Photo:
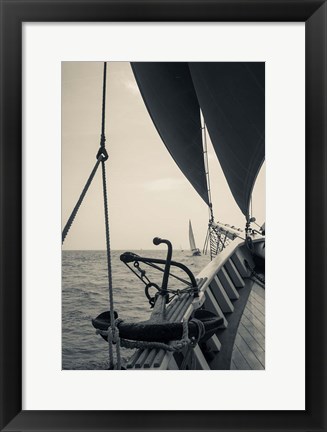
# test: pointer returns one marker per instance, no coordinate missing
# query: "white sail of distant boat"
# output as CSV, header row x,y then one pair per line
x,y
194,249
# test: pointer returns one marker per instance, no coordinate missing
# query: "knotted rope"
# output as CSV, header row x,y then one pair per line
x,y
113,337
102,157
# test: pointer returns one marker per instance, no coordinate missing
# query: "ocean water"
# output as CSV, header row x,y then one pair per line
x,y
85,295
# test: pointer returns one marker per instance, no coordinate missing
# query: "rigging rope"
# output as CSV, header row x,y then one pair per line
x,y
115,331
113,339
215,241
102,156
80,200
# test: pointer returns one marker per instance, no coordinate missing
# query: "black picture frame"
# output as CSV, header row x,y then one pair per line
x,y
13,14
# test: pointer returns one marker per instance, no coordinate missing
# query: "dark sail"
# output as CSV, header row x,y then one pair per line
x,y
169,95
232,100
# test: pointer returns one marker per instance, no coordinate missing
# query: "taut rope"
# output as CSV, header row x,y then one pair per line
x,y
113,337
80,200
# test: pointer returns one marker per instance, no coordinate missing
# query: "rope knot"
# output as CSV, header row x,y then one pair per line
x,y
179,345
113,335
185,339
201,332
102,153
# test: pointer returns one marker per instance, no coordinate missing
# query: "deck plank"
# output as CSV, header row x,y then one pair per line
x,y
253,325
253,311
253,343
249,346
247,353
258,298
249,315
256,304
258,290
239,360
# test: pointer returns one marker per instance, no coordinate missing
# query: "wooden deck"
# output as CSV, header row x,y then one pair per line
x,y
249,348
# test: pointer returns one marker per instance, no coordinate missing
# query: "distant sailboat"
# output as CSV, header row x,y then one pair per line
x,y
194,249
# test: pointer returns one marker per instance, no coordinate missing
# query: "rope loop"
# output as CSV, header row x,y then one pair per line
x,y
185,341
103,154
201,332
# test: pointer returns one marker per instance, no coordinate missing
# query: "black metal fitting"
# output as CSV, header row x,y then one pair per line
x,y
157,241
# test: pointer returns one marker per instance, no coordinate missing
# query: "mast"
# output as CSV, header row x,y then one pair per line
x,y
213,238
206,164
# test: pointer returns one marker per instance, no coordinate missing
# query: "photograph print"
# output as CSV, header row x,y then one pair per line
x,y
163,215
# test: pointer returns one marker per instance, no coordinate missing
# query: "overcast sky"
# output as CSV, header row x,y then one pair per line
x,y
148,194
